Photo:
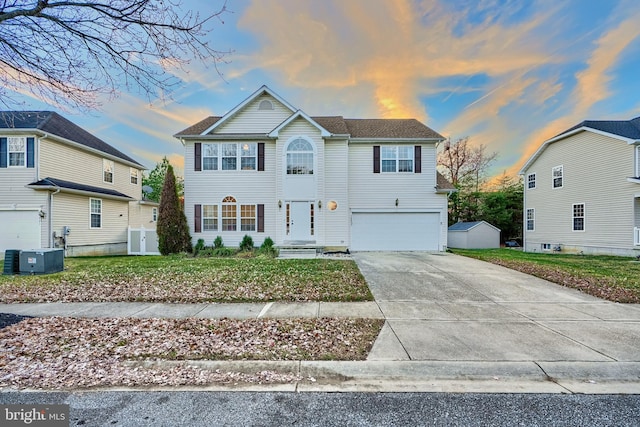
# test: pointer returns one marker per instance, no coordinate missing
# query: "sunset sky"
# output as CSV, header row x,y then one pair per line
x,y
508,74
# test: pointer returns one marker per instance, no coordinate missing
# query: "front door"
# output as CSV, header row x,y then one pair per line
x,y
300,221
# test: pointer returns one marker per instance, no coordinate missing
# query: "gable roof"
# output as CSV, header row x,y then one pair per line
x,y
624,130
466,226
49,122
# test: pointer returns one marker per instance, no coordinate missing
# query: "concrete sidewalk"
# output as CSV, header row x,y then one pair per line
x,y
453,324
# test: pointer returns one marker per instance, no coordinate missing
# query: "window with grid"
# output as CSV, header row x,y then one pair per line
x,y
17,150
107,170
210,157
229,157
578,217
229,209
531,181
396,158
248,217
210,217
95,207
557,175
248,156
133,173
300,157
531,216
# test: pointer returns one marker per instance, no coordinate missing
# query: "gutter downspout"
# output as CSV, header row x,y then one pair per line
x,y
51,242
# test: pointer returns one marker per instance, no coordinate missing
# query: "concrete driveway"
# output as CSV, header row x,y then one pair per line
x,y
444,307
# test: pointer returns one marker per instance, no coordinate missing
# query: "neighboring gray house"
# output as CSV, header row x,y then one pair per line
x,y
582,190
60,186
267,169
473,235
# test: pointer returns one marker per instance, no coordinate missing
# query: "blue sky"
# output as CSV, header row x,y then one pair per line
x,y
509,74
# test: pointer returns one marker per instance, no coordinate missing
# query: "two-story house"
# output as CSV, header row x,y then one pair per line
x,y
61,186
582,192
267,169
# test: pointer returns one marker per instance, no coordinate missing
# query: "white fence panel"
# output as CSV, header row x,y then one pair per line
x,y
142,242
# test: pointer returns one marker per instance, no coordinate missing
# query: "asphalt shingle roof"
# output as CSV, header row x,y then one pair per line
x,y
357,128
46,182
443,183
53,123
463,226
625,128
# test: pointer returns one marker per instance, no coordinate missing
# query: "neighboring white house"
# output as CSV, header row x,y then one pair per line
x,y
267,169
473,235
61,186
582,190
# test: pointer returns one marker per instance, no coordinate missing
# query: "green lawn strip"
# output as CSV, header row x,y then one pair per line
x,y
609,277
183,279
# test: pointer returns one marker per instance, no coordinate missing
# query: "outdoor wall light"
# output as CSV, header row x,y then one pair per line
x,y
397,202
280,204
319,204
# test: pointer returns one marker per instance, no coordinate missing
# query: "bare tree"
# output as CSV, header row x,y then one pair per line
x,y
461,163
68,51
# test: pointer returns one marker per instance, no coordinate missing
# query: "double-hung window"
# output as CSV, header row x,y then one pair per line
x,y
557,176
229,209
396,158
531,181
531,217
210,217
578,217
17,150
134,175
248,217
248,156
107,170
229,154
210,157
95,216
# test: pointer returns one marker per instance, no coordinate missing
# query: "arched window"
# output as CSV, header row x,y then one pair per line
x,y
229,221
300,157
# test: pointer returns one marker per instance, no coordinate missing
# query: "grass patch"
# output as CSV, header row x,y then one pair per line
x,y
183,279
610,277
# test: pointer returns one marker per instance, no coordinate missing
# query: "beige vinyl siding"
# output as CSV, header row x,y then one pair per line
x,y
253,120
68,163
73,211
595,171
140,215
336,178
247,187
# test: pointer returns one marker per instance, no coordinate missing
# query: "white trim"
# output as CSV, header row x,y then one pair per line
x,y
553,177
113,172
25,152
584,217
286,152
526,219
91,227
535,181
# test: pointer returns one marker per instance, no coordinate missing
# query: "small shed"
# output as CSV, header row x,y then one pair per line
x,y
473,235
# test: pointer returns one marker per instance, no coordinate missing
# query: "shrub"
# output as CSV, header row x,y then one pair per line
x,y
267,248
198,247
222,252
217,243
246,244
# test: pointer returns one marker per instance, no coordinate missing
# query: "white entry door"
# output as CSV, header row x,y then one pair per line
x,y
300,221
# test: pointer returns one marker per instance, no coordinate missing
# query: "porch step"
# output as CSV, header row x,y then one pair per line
x,y
297,253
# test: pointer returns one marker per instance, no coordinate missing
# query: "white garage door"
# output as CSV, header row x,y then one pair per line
x,y
19,230
398,231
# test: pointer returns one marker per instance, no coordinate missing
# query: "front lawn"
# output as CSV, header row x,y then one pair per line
x,y
183,279
613,278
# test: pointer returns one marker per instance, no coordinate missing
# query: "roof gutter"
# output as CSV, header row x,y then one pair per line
x,y
79,192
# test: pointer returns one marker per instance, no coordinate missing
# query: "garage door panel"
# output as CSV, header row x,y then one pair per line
x,y
19,230
378,231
